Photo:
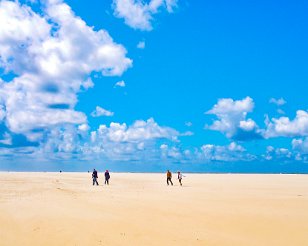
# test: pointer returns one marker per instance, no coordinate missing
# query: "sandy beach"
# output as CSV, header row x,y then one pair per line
x,y
140,209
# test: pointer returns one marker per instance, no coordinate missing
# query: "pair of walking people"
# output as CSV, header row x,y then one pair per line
x,y
95,177
169,177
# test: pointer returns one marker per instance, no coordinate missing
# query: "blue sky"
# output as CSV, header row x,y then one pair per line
x,y
145,86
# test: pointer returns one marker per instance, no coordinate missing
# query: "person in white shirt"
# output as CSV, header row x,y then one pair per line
x,y
180,176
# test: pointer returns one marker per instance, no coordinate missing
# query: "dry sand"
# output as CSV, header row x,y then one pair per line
x,y
140,209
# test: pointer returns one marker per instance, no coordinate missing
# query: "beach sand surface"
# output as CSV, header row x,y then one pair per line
x,y
140,209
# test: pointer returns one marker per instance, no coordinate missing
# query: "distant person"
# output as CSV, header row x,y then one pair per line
x,y
94,177
169,177
180,176
107,177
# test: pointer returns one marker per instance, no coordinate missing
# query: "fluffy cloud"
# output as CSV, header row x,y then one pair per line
x,y
231,152
278,154
99,111
232,120
137,132
170,152
284,127
83,127
120,84
207,153
52,55
122,142
139,15
300,145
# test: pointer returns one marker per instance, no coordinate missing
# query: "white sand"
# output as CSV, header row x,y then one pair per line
x,y
140,209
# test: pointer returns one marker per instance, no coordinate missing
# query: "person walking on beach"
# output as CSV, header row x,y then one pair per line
x,y
169,176
107,177
94,177
180,176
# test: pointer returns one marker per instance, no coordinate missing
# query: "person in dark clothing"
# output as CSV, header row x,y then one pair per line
x,y
107,177
169,176
94,177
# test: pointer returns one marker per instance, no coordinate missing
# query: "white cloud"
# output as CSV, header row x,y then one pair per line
x,y
52,55
99,111
278,102
248,125
62,143
121,142
88,83
231,152
139,131
139,15
207,153
300,145
232,120
120,84
141,45
164,147
170,152
83,127
284,127
278,154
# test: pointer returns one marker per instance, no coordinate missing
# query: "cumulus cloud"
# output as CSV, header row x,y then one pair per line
x,y
300,145
87,84
120,84
284,127
232,120
99,111
83,127
170,152
139,131
52,55
278,102
207,153
278,154
119,141
139,15
231,152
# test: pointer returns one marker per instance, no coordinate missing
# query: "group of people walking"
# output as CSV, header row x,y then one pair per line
x,y
169,177
107,177
95,177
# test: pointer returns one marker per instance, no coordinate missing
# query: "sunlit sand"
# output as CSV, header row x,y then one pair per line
x,y
140,209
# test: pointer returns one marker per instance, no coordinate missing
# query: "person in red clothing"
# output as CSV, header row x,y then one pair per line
x,y
169,177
